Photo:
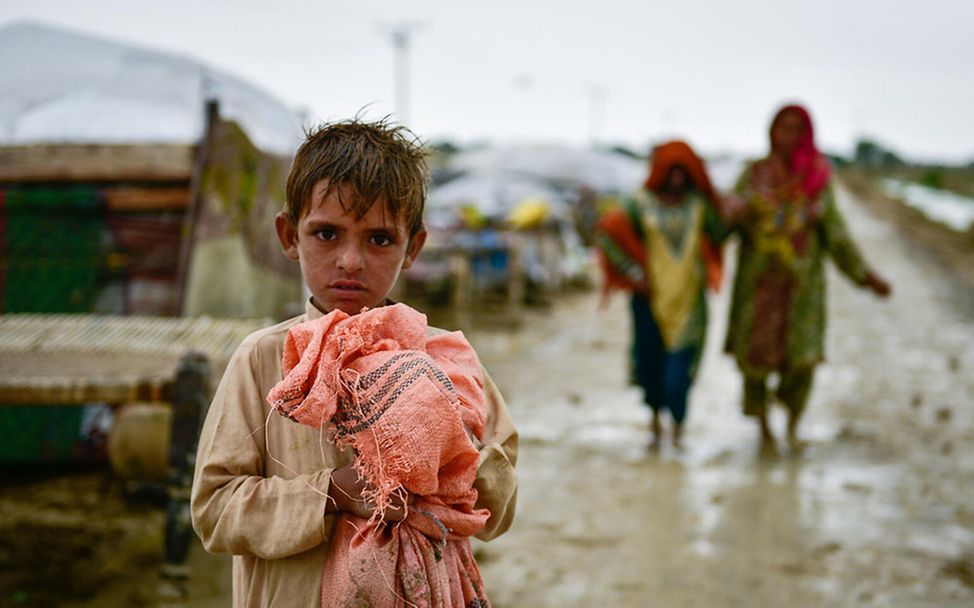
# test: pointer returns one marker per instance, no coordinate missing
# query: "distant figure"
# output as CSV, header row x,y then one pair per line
x,y
786,215
662,247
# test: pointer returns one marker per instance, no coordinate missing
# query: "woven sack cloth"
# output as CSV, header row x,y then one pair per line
x,y
412,407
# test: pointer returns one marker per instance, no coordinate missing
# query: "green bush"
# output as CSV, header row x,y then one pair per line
x,y
933,177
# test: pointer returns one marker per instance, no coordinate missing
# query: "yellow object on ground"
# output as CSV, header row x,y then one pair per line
x,y
529,213
471,217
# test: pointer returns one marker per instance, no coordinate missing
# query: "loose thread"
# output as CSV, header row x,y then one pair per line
x,y
380,496
267,448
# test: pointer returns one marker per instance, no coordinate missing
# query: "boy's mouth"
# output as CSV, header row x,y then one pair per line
x,y
345,286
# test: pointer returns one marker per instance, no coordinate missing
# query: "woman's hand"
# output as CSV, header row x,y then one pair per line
x,y
345,494
642,288
877,284
732,208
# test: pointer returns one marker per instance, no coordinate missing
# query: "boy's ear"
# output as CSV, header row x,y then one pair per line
x,y
415,246
287,233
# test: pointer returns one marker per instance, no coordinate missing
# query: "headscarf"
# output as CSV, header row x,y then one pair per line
x,y
676,152
806,161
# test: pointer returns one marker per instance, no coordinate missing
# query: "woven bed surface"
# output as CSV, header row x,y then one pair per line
x,y
81,358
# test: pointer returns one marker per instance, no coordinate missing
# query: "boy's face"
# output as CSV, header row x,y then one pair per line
x,y
348,263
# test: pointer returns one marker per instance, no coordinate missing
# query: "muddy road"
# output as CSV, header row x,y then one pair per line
x,y
877,511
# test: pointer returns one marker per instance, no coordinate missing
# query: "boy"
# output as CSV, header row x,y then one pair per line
x,y
267,489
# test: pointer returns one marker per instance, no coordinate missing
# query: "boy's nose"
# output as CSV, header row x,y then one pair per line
x,y
350,258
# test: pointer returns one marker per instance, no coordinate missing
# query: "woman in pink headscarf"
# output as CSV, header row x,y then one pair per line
x,y
788,222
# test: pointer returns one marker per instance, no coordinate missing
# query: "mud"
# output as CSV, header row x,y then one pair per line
x,y
875,511
71,535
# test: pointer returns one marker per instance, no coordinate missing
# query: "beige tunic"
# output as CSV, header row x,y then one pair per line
x,y
261,479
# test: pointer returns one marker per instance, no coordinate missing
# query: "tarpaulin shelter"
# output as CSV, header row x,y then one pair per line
x,y
493,194
497,231
133,183
561,166
137,182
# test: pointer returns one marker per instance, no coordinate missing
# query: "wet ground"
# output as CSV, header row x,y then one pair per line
x,y
877,511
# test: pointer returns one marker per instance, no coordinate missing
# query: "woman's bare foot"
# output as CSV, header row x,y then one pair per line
x,y
655,428
795,444
678,435
769,446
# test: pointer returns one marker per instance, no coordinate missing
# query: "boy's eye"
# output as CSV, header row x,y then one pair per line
x,y
325,234
381,240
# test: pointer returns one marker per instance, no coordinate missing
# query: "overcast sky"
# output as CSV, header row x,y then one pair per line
x,y
628,72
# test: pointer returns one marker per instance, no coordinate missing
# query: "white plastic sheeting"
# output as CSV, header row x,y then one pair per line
x,y
953,210
604,171
724,171
63,87
493,194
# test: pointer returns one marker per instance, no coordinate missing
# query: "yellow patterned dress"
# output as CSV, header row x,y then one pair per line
x,y
669,327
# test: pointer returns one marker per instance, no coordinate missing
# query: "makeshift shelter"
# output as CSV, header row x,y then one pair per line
x,y
132,183
497,233
563,167
572,180
137,188
137,182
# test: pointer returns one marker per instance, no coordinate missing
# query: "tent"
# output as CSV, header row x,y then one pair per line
x,y
169,171
58,86
562,166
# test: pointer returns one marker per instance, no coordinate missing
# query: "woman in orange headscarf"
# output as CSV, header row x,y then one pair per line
x,y
662,245
788,222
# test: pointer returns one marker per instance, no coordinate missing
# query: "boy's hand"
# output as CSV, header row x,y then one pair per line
x,y
345,494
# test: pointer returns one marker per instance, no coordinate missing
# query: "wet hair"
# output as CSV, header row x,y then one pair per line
x,y
375,160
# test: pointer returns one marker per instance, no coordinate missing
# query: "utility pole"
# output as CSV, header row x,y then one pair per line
x,y
597,102
400,34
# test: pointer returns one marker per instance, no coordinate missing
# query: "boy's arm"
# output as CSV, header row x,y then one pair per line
x,y
496,481
235,508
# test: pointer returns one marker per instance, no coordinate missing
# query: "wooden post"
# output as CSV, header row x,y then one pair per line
x,y
515,276
196,202
552,259
462,287
191,394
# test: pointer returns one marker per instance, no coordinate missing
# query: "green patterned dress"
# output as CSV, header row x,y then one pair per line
x,y
777,319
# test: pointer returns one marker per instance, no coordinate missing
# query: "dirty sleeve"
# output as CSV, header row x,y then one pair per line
x,y
496,481
242,503
838,240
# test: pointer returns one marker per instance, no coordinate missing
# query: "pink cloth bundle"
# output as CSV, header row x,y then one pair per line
x,y
411,406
